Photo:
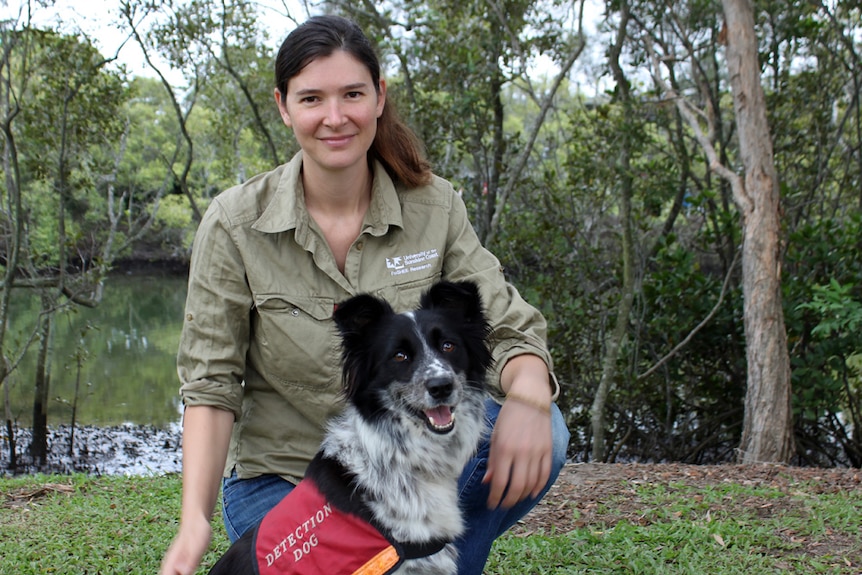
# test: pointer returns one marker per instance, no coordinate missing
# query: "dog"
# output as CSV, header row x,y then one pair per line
x,y
389,463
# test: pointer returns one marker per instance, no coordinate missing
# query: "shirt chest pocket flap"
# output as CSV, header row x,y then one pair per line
x,y
297,339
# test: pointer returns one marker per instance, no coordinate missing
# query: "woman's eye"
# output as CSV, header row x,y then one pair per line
x,y
448,347
400,356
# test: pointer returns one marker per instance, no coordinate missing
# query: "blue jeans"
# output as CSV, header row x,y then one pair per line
x,y
246,501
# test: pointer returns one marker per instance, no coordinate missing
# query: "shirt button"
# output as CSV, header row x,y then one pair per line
x,y
294,312
359,246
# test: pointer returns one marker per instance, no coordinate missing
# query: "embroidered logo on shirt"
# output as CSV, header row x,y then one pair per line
x,y
417,262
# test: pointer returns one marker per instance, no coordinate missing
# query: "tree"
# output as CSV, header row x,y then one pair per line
x,y
767,434
73,109
182,104
63,146
460,62
623,214
14,219
226,59
617,338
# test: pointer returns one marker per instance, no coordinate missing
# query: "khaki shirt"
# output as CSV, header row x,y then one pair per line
x,y
258,337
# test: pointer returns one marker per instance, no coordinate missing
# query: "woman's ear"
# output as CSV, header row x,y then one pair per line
x,y
381,97
282,107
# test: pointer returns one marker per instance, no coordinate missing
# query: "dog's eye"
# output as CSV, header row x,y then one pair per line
x,y
400,356
447,347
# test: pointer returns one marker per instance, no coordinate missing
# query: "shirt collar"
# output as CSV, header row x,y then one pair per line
x,y
287,208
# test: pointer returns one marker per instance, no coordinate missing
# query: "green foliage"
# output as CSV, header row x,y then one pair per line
x,y
461,74
823,311
840,313
690,407
68,110
176,218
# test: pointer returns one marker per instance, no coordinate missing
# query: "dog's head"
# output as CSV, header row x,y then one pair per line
x,y
421,362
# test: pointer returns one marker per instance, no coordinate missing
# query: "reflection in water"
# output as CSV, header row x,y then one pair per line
x,y
129,340
126,348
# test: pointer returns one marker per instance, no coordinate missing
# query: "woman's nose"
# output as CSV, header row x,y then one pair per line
x,y
334,115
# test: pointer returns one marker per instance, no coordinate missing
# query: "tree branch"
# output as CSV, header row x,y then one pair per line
x,y
690,112
699,326
522,158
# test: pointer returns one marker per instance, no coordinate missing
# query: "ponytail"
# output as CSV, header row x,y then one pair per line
x,y
400,150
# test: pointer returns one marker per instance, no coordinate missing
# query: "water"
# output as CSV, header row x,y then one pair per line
x,y
128,371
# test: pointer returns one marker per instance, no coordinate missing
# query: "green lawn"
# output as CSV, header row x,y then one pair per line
x,y
108,525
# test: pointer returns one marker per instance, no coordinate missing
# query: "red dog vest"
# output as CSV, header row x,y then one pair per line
x,y
305,535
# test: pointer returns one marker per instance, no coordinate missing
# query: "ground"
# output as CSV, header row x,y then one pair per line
x,y
586,495
578,498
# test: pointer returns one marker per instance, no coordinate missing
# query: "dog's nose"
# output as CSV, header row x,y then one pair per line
x,y
439,388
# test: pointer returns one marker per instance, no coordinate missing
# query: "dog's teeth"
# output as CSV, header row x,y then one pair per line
x,y
444,426
440,419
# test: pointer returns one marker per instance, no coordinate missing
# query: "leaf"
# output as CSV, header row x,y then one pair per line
x,y
719,539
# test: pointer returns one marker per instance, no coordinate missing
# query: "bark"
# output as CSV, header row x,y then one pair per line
x,y
39,439
767,434
13,206
617,338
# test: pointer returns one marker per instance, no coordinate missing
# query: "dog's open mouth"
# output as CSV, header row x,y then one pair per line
x,y
440,419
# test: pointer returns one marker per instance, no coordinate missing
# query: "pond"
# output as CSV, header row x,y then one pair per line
x,y
128,366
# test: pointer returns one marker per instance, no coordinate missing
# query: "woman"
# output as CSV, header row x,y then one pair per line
x,y
357,210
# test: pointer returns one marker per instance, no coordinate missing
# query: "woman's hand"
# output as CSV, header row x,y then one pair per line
x,y
187,549
519,463
206,436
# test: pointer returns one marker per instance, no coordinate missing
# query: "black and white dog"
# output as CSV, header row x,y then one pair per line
x,y
389,464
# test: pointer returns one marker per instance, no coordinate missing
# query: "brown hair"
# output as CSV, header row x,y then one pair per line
x,y
395,145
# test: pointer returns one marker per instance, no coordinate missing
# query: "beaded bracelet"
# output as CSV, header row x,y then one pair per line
x,y
526,400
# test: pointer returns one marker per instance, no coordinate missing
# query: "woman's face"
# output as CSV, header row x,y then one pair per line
x,y
332,107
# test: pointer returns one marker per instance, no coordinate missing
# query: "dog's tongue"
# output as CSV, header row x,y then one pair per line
x,y
439,416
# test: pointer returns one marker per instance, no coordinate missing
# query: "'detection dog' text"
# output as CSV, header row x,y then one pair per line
x,y
301,541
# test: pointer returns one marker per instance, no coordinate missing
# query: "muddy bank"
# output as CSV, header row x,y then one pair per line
x,y
119,450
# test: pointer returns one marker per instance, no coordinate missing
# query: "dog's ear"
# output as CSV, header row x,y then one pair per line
x,y
357,314
354,318
460,297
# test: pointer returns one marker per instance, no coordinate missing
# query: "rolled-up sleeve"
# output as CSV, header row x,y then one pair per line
x,y
215,335
517,327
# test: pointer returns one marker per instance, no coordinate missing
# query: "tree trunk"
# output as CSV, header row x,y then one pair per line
x,y
39,440
767,434
15,214
618,337
10,427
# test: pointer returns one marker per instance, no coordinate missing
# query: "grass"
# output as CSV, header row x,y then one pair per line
x,y
109,525
683,530
89,525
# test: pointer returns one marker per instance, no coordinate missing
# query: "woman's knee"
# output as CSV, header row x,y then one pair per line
x,y
560,437
246,501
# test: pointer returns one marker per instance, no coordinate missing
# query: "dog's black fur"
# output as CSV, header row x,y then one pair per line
x,y
393,457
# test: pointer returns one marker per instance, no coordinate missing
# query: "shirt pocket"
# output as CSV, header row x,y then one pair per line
x,y
405,296
297,340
